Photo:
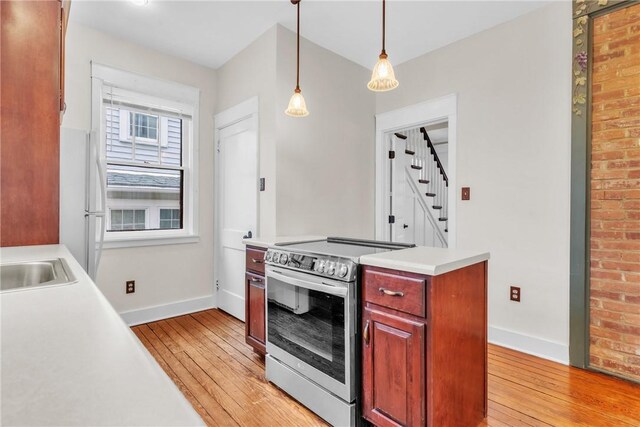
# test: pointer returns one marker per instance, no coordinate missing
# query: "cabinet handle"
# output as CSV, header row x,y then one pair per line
x,y
257,261
255,281
391,293
365,334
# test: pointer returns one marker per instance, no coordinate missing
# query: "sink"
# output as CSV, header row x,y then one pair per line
x,y
35,274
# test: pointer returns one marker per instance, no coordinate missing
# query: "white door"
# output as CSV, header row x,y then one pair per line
x,y
237,201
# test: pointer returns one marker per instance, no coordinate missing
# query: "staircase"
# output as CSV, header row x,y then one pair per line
x,y
428,174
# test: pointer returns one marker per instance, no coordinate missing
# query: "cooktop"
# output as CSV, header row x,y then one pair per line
x,y
343,247
332,257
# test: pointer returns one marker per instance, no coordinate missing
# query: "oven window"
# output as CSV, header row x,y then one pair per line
x,y
309,325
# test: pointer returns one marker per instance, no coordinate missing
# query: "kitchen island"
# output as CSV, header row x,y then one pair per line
x,y
424,337
421,325
69,359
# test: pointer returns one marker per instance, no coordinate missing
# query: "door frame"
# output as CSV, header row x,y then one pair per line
x,y
248,109
432,111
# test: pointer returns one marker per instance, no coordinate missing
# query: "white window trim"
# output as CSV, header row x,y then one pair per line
x,y
173,95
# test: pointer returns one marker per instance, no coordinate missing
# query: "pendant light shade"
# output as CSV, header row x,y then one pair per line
x,y
383,78
297,107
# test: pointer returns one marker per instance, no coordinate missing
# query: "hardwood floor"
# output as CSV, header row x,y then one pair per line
x,y
206,356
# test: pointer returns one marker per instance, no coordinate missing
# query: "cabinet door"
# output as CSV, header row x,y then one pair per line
x,y
30,131
393,371
254,316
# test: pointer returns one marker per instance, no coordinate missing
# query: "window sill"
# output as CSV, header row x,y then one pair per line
x,y
150,241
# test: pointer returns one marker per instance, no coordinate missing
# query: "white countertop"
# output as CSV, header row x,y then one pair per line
x,y
424,260
69,359
266,241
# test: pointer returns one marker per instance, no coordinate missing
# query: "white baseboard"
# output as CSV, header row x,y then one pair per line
x,y
159,312
535,346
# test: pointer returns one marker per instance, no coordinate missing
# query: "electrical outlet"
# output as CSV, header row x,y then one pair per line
x,y
130,286
514,294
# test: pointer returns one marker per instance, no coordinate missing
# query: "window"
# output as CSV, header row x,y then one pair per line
x,y
148,149
169,218
127,219
143,126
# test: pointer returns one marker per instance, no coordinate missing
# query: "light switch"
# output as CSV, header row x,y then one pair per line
x,y
466,193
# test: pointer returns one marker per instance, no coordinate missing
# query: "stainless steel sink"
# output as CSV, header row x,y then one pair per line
x,y
35,274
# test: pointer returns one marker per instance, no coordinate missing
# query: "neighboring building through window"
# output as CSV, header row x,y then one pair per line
x,y
141,171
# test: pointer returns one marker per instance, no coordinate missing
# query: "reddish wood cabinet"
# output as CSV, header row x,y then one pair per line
x,y
32,96
393,357
424,347
255,300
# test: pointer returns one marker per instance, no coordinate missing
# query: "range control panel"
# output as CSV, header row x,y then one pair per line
x,y
333,267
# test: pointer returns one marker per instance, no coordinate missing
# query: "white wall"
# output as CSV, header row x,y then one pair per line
x,y
326,160
163,274
319,169
514,91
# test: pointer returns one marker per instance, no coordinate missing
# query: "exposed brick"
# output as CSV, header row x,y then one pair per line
x,y
633,299
615,193
623,266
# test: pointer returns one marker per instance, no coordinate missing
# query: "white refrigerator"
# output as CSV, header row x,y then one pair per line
x,y
82,198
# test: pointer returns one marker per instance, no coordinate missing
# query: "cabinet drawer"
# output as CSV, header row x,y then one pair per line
x,y
255,260
400,291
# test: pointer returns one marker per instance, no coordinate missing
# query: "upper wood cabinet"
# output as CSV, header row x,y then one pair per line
x,y
32,79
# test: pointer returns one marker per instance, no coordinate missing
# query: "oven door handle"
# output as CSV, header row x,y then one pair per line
x,y
320,287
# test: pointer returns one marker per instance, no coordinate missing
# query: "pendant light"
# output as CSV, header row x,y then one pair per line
x,y
383,78
297,107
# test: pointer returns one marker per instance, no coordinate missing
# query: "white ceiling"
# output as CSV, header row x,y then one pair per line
x,y
211,32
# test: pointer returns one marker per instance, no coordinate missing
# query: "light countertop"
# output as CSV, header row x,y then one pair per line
x,y
69,359
266,241
424,260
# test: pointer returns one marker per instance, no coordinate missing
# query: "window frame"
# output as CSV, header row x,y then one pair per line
x,y
168,96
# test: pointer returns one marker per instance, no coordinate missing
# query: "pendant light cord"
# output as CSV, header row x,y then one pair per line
x,y
384,9
298,51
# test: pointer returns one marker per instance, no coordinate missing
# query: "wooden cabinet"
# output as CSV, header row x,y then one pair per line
x,y
255,310
393,358
424,347
32,80
255,299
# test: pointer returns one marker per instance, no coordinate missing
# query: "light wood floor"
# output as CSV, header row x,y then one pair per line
x,y
205,354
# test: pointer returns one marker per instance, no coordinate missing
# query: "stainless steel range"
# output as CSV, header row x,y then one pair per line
x,y
312,322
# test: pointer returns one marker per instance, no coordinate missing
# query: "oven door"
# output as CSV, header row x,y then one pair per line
x,y
311,329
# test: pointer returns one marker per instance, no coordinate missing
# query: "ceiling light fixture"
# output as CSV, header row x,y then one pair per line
x,y
297,107
383,78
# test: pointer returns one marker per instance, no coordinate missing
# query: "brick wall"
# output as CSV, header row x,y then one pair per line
x,y
615,193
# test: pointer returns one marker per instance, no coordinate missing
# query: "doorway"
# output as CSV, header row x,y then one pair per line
x,y
415,174
418,184
236,199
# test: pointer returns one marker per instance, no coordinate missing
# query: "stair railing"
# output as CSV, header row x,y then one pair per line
x,y
442,184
